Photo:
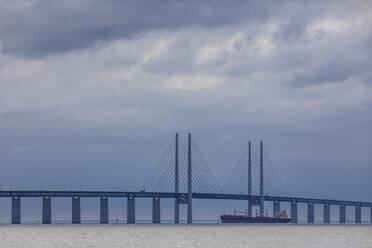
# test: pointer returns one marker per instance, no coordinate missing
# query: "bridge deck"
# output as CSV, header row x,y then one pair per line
x,y
61,193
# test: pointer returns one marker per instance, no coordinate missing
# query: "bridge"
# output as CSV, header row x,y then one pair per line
x,y
183,174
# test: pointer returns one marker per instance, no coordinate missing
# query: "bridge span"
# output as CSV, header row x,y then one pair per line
x,y
194,180
47,195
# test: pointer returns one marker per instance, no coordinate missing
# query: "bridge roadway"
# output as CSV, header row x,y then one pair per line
x,y
182,196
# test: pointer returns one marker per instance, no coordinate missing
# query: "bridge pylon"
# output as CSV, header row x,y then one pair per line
x,y
176,182
250,203
182,200
262,207
189,181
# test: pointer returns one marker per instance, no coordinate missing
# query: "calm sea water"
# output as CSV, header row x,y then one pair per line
x,y
196,235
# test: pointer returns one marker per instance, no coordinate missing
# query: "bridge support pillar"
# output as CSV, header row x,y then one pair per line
x,y
155,210
358,214
342,214
176,211
16,210
47,210
326,213
76,216
370,214
276,208
189,212
249,210
103,210
310,213
131,210
294,212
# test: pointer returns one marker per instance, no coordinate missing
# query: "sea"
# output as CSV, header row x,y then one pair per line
x,y
184,235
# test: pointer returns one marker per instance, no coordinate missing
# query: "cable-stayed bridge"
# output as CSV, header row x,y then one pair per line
x,y
183,174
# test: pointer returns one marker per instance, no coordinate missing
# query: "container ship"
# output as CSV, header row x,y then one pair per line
x,y
282,217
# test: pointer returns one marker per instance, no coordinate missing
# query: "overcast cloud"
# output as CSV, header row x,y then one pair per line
x,y
92,92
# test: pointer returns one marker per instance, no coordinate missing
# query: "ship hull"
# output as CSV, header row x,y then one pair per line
x,y
246,219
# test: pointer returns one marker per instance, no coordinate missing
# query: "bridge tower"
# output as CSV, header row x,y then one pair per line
x,y
183,199
261,181
249,179
176,183
189,181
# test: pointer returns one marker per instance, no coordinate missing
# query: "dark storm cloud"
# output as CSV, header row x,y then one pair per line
x,y
45,27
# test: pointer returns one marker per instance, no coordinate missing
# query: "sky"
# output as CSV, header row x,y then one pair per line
x,y
93,92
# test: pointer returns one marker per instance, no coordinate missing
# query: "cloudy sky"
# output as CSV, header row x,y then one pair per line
x,y
92,92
